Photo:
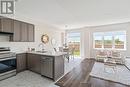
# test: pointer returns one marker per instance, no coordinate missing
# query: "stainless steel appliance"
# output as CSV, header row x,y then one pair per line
x,y
47,67
7,63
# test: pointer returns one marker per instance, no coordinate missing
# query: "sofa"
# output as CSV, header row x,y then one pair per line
x,y
114,54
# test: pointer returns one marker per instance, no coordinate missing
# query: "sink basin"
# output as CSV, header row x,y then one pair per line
x,y
41,51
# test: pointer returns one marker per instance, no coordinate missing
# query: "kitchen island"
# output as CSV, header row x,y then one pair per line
x,y
48,64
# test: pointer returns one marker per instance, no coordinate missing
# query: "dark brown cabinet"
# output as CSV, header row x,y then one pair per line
x,y
33,61
31,33
24,32
52,66
6,25
17,31
58,67
21,62
47,66
20,31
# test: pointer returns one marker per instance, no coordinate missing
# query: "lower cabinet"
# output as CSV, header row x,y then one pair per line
x,y
33,62
58,67
47,64
21,62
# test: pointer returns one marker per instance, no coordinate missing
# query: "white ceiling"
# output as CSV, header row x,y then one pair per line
x,y
75,13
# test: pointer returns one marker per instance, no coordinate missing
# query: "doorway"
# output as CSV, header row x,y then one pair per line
x,y
73,42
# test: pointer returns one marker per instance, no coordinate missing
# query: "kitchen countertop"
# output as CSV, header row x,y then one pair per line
x,y
45,53
48,53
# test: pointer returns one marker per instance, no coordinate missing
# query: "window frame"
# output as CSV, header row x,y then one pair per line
x,y
113,40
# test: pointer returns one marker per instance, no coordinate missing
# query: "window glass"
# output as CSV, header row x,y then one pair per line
x,y
119,41
110,40
74,43
98,41
107,41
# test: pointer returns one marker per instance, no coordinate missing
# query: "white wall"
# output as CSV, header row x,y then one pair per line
x,y
87,37
40,29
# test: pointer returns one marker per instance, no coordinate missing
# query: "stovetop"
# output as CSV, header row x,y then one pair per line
x,y
2,49
6,53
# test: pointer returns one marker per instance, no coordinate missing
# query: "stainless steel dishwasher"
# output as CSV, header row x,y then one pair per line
x,y
47,66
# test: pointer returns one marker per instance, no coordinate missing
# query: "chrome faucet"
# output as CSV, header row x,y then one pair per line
x,y
41,44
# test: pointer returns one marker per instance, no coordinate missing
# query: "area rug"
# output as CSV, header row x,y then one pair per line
x,y
120,75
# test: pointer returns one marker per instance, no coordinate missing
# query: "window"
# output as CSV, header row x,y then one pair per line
x,y
73,40
98,41
110,40
120,40
107,41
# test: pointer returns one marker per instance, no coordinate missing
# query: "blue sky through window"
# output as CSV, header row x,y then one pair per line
x,y
115,37
121,35
73,37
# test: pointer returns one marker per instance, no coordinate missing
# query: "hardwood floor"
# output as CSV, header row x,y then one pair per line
x,y
79,77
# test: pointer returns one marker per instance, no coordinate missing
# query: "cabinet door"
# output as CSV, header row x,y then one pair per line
x,y
0,24
58,67
21,62
30,62
17,33
47,66
34,62
7,25
30,33
37,67
24,32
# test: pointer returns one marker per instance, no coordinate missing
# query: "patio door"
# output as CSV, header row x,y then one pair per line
x,y
73,41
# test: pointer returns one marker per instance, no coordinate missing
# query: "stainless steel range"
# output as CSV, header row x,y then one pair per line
x,y
7,63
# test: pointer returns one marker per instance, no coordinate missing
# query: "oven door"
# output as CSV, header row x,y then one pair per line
x,y
7,64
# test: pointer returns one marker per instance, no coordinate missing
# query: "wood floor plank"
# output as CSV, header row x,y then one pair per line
x,y
79,77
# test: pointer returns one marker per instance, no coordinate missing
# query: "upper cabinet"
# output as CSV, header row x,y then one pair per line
x,y
31,33
20,31
24,32
6,25
17,31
